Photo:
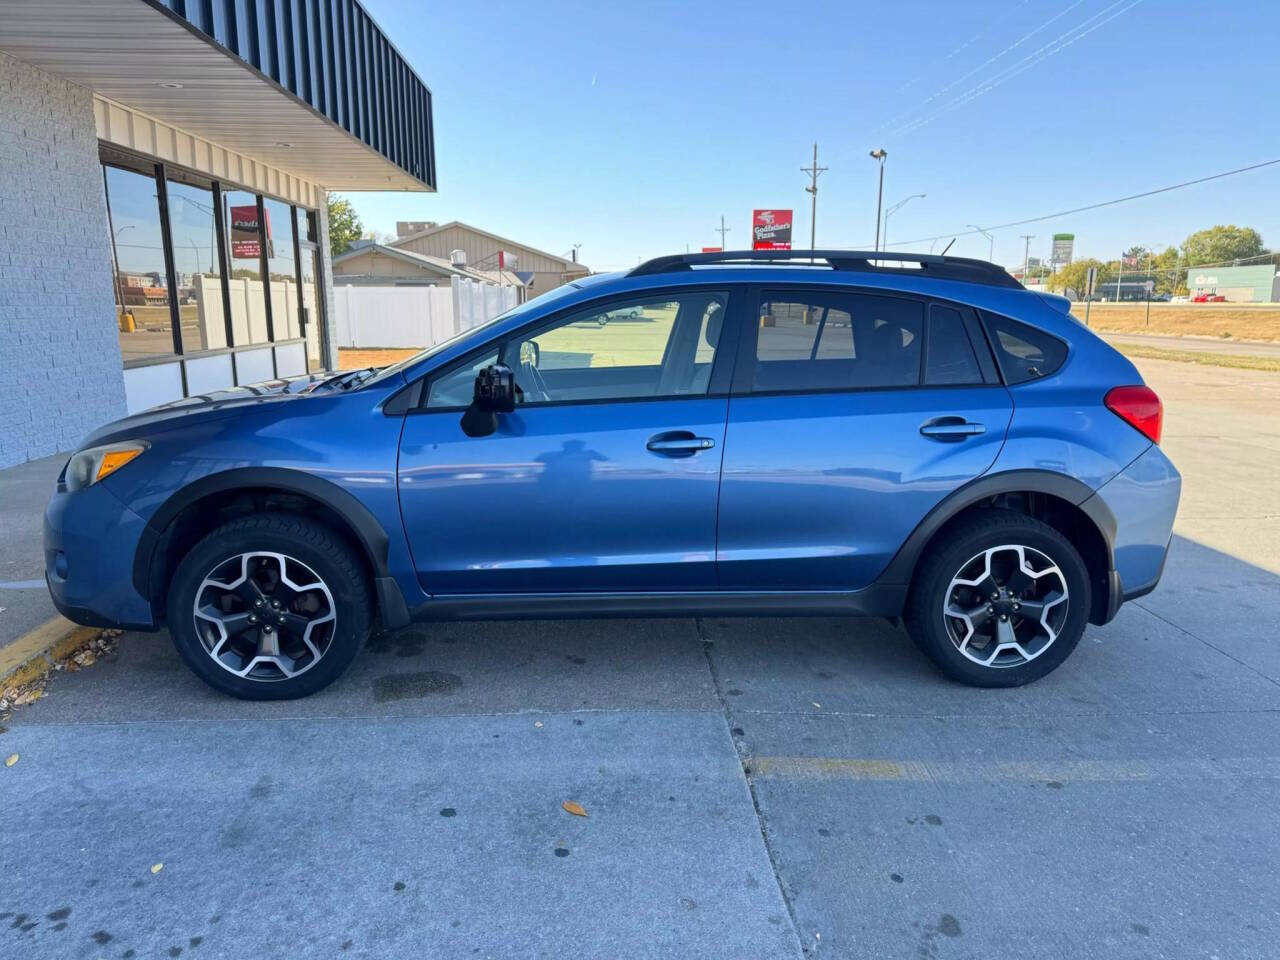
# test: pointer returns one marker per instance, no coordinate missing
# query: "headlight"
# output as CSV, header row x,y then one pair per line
x,y
89,466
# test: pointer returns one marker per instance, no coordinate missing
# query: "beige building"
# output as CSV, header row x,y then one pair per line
x,y
540,271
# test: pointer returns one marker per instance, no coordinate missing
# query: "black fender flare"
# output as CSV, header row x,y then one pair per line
x,y
902,566
370,534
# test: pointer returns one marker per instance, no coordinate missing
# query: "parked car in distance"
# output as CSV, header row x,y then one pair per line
x,y
1208,298
788,433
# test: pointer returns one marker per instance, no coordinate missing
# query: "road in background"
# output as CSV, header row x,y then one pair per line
x,y
754,788
1239,348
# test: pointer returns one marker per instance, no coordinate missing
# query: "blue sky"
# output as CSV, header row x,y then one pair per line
x,y
631,127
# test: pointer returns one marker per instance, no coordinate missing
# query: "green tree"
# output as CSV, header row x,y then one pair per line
x,y
1222,243
344,225
1073,276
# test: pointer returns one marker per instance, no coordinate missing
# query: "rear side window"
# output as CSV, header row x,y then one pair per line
x,y
836,341
949,356
1024,353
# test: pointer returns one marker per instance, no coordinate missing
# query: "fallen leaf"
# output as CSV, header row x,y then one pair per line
x,y
11,760
574,808
157,868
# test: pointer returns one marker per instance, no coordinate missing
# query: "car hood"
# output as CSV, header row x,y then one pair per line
x,y
209,404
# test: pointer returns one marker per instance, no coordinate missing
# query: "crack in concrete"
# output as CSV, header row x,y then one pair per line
x,y
761,823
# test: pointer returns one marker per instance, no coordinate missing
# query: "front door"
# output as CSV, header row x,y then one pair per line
x,y
604,478
852,415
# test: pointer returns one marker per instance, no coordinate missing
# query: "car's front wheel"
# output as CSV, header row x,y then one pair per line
x,y
269,607
1000,601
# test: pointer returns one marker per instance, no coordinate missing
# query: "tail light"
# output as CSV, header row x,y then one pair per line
x,y
1139,407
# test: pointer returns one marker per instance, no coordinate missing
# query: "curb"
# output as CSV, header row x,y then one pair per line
x,y
32,656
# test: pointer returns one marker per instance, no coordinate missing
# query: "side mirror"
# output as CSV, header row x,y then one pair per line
x,y
530,354
495,393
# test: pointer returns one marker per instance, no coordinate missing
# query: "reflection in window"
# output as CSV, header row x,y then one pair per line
x,y
141,283
282,269
248,297
196,264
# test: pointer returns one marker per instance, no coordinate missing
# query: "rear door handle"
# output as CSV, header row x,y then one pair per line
x,y
678,443
951,429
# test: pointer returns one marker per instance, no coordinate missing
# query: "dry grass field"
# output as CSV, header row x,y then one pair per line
x,y
1235,321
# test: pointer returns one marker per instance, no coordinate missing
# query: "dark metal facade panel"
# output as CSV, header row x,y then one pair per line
x,y
330,55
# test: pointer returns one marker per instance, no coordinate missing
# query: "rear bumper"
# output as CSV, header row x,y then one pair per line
x,y
1143,498
90,539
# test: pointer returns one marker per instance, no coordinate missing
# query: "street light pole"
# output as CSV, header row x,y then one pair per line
x,y
879,154
897,206
991,242
1026,257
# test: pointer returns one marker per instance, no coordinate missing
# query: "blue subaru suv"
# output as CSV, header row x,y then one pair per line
x,y
782,433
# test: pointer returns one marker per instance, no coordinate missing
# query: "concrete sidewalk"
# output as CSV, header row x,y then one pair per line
x,y
24,600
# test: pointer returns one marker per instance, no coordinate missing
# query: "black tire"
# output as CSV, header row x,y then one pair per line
x,y
302,540
951,553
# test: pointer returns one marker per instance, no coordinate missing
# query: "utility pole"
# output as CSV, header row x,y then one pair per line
x,y
1026,257
879,155
812,190
722,231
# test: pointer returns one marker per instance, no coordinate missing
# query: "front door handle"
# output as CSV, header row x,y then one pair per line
x,y
678,443
951,429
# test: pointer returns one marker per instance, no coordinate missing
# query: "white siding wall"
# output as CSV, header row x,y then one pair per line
x,y
415,317
60,368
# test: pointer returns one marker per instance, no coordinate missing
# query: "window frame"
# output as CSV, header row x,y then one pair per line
x,y
722,367
744,368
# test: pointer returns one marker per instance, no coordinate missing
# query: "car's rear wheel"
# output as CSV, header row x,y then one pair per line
x,y
269,607
1000,601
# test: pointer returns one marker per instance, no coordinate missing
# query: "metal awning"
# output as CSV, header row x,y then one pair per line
x,y
314,89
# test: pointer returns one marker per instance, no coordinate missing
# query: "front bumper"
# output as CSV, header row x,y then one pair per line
x,y
90,538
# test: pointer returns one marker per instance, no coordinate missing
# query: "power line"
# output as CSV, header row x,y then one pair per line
x,y
1093,206
982,66
968,43
1046,51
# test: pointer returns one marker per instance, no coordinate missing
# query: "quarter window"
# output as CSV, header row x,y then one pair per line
x,y
1023,352
950,356
837,341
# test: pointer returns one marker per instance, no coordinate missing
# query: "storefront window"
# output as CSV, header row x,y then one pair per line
x,y
196,264
248,296
141,281
310,270
282,269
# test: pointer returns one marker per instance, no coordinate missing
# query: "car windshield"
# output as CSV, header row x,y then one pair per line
x,y
477,332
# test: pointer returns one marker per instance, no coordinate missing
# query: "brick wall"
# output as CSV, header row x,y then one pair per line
x,y
60,368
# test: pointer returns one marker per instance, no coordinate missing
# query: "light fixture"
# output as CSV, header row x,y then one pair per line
x,y
171,84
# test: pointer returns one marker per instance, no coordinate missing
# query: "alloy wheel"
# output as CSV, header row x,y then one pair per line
x,y
264,616
1005,606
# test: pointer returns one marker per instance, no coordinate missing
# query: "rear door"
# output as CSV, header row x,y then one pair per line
x,y
853,413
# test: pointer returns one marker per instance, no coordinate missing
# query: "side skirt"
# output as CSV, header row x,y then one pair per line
x,y
877,600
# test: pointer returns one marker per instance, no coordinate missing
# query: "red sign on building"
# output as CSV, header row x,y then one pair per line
x,y
245,234
771,230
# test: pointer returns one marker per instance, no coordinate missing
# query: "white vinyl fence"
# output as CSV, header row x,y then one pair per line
x,y
415,316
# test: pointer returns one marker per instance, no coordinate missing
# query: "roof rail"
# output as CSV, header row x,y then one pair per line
x,y
861,261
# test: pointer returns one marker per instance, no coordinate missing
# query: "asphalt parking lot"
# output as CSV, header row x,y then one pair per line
x,y
753,788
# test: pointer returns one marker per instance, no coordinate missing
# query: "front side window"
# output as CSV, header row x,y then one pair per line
x,y
659,347
836,341
141,279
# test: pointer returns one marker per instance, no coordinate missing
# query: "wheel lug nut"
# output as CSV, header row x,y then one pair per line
x,y
1003,617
